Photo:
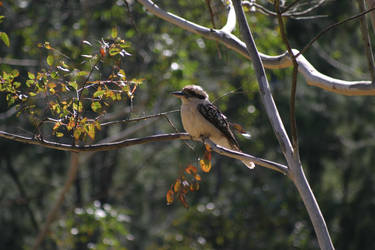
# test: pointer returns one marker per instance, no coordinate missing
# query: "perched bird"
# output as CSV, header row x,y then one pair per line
x,y
201,118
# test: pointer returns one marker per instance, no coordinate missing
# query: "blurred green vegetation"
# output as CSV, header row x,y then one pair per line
x,y
118,200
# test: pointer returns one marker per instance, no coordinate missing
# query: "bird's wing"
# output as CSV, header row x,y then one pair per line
x,y
215,117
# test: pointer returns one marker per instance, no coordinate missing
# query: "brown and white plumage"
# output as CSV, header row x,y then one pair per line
x,y
201,118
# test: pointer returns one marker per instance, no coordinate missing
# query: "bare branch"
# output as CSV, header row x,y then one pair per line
x,y
136,141
295,172
286,12
371,4
308,10
242,156
264,88
366,41
163,114
311,75
293,89
231,20
95,147
336,64
334,25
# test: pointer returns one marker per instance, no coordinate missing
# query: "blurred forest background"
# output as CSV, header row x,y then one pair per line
x,y
118,200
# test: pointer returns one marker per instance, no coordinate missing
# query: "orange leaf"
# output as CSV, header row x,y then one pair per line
x,y
57,125
191,169
206,162
198,177
71,124
170,197
103,51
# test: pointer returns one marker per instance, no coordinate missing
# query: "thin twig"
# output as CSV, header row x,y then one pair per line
x,y
291,14
366,41
293,89
308,10
371,4
328,28
163,114
71,176
208,2
289,6
335,63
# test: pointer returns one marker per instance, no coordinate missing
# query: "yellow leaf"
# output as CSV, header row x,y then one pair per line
x,y
198,177
206,162
57,125
59,134
91,132
77,133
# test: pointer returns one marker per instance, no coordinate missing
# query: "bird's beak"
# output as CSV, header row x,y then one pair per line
x,y
178,93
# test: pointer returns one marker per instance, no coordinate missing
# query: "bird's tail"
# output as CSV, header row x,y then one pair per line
x,y
249,164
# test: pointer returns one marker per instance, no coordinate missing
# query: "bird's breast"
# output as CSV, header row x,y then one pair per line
x,y
196,125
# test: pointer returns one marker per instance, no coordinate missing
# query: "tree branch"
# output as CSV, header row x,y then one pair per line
x,y
311,75
231,20
136,141
371,4
293,89
329,27
242,156
95,147
163,114
366,41
295,172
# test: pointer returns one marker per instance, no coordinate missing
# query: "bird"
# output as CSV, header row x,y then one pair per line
x,y
200,118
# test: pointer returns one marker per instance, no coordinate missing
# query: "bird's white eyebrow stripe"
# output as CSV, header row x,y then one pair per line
x,y
193,93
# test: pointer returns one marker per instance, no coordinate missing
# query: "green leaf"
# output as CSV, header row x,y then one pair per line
x,y
29,83
59,134
114,51
5,38
73,84
114,32
16,84
99,93
15,73
50,60
83,73
31,75
96,106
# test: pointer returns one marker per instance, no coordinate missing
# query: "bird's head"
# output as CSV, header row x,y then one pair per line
x,y
191,92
